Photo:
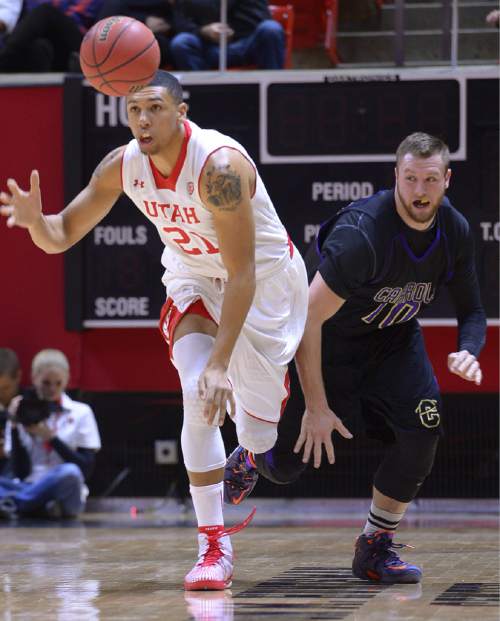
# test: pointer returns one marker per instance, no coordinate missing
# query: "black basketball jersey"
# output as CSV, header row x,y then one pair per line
x,y
388,272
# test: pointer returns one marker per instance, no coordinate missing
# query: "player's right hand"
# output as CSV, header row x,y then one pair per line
x,y
216,392
22,208
316,432
466,366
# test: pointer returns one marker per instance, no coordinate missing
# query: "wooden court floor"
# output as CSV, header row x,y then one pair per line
x,y
115,567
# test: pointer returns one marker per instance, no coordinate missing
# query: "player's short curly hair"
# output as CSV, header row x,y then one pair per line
x,y
170,82
422,145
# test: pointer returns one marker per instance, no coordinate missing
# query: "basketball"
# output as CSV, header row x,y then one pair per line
x,y
119,55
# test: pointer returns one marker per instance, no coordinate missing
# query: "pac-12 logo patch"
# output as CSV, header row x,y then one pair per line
x,y
428,412
190,187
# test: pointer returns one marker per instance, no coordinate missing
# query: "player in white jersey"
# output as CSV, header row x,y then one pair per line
x,y
236,287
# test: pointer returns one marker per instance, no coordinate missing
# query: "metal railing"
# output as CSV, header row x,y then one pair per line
x,y
223,37
449,40
450,32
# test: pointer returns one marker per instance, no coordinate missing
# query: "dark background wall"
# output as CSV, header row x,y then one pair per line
x,y
130,424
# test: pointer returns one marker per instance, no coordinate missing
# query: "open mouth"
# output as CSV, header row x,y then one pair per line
x,y
145,139
421,203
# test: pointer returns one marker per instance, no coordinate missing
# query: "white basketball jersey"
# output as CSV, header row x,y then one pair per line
x,y
184,224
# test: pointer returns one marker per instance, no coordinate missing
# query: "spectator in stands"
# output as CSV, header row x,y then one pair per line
x,y
10,378
47,35
160,16
51,458
253,37
10,10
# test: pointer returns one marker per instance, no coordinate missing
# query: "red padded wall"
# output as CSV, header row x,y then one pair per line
x,y
32,294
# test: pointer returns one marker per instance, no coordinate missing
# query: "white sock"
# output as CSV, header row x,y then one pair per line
x,y
379,519
207,501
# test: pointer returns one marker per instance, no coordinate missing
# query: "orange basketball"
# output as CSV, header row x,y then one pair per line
x,y
119,55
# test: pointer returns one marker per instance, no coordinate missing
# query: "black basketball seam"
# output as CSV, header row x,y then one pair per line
x,y
128,81
129,60
93,50
97,65
108,83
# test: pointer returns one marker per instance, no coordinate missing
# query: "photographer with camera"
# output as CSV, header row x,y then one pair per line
x,y
10,378
52,441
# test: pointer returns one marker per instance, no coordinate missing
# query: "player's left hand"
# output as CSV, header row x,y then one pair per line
x,y
216,391
466,366
316,432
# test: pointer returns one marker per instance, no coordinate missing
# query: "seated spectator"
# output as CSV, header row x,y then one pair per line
x,y
10,10
53,450
253,37
10,377
160,16
47,35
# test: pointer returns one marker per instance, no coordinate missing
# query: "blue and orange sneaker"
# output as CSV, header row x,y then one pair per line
x,y
240,476
375,559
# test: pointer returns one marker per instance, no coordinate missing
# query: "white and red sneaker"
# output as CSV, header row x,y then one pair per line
x,y
214,569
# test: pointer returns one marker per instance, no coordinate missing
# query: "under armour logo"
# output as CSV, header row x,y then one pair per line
x,y
428,412
138,183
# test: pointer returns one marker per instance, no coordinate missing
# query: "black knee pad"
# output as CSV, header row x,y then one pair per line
x,y
406,464
278,467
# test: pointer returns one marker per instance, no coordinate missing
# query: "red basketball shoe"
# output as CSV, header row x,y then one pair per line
x,y
214,569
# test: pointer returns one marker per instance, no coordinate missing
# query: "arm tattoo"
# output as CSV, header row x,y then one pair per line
x,y
106,160
224,187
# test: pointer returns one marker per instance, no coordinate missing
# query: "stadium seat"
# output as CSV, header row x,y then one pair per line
x,y
285,15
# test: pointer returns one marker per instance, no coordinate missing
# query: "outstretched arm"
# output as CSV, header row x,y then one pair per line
x,y
227,184
319,421
58,232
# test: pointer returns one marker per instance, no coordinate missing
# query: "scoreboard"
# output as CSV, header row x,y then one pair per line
x,y
320,139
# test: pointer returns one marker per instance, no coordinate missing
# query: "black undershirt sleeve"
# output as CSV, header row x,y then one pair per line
x,y
84,458
347,257
21,461
464,290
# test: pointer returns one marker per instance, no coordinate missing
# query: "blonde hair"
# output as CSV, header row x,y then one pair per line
x,y
422,145
49,357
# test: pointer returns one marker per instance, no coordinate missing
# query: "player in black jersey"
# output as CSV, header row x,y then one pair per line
x,y
379,261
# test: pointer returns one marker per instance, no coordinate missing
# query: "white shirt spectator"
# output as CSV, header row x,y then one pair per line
x,y
9,14
75,425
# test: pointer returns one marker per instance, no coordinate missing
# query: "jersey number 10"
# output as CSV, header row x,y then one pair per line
x,y
397,313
